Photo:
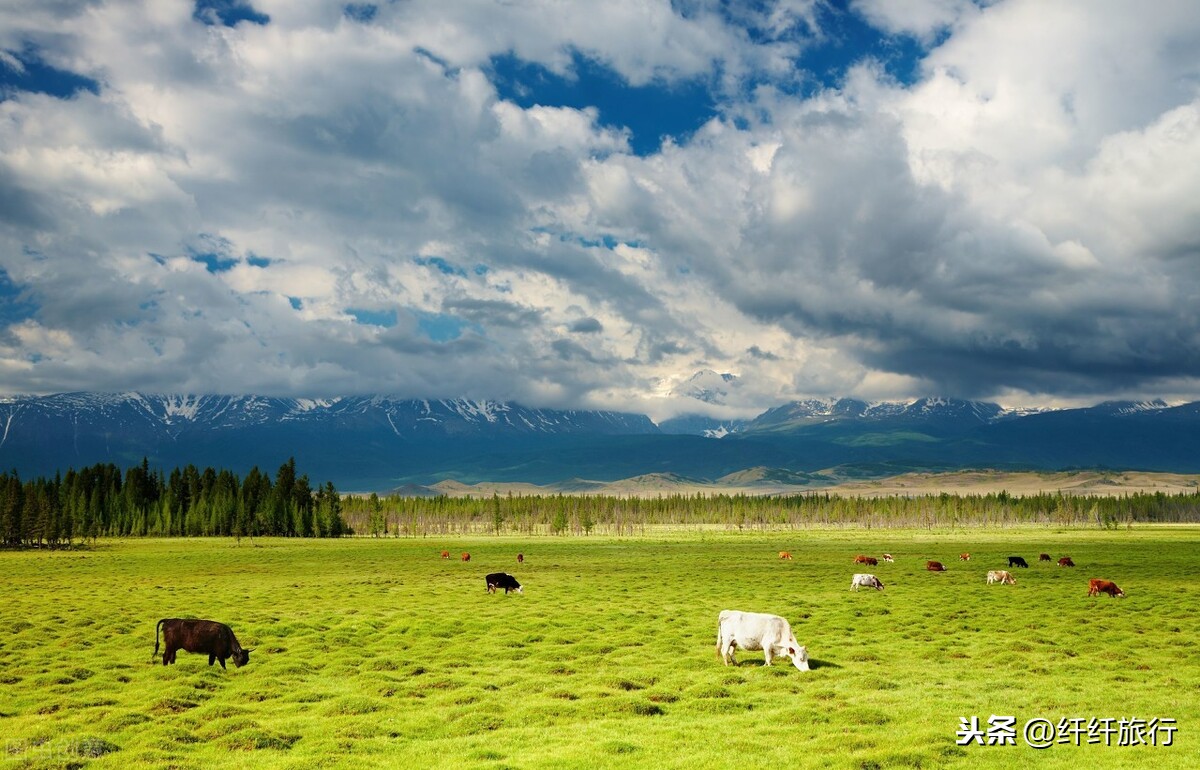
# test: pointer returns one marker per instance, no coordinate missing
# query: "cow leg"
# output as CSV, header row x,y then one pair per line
x,y
222,662
211,659
767,654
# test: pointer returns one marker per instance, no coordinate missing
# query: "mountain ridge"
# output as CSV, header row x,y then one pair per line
x,y
383,442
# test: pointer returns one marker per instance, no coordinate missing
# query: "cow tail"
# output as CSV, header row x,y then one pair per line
x,y
156,629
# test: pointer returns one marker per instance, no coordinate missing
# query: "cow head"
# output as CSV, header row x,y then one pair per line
x,y
520,590
878,584
241,657
798,654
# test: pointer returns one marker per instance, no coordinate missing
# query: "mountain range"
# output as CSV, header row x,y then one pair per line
x,y
379,443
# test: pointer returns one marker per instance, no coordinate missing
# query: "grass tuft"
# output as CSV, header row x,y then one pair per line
x,y
92,747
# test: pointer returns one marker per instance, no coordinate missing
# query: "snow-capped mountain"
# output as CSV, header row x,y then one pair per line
x,y
380,442
708,386
173,415
356,439
1129,407
942,412
700,425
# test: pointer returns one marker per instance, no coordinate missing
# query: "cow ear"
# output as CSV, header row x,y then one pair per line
x,y
791,650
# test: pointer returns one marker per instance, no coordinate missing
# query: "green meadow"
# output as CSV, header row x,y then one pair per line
x,y
378,653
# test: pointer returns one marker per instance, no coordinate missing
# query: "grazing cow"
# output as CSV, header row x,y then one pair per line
x,y
445,554
1066,562
1096,586
785,555
1017,561
870,581
466,556
758,631
502,580
871,561
861,559
520,558
888,557
202,636
935,566
1045,557
1001,576
964,557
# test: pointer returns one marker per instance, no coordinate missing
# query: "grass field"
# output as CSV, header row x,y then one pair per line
x,y
377,653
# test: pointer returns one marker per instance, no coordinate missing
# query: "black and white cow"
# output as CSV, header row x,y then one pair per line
x,y
867,581
502,580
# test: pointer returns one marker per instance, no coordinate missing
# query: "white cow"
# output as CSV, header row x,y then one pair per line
x,y
758,631
1001,576
869,581
888,557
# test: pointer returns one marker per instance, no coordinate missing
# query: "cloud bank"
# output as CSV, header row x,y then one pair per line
x,y
299,197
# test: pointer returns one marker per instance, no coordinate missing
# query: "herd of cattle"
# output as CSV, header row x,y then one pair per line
x,y
735,629
1096,586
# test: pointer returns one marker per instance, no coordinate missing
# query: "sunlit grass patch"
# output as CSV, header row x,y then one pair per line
x,y
378,653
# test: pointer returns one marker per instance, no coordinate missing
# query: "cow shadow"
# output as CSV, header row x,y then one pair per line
x,y
813,663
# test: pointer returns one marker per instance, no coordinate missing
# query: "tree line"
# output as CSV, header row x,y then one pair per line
x,y
101,501
583,515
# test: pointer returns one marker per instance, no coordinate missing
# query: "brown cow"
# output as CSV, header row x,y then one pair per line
x,y
1045,557
964,557
466,556
861,559
785,555
1096,586
1066,562
202,636
935,566
445,554
520,558
888,557
871,561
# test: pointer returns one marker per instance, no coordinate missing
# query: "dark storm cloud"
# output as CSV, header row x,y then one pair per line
x,y
586,326
494,312
756,352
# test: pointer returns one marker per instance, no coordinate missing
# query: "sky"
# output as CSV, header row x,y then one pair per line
x,y
583,205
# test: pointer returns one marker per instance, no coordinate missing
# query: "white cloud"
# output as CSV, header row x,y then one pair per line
x,y
923,19
1022,221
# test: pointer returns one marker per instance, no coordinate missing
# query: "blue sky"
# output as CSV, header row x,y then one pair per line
x,y
584,206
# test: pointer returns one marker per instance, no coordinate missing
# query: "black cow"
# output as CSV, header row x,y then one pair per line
x,y
202,636
1017,561
502,580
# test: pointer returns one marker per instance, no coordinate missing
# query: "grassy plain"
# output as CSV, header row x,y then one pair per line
x,y
377,653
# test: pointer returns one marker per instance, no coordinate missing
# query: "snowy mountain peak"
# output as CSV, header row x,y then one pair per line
x,y
1131,407
708,386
